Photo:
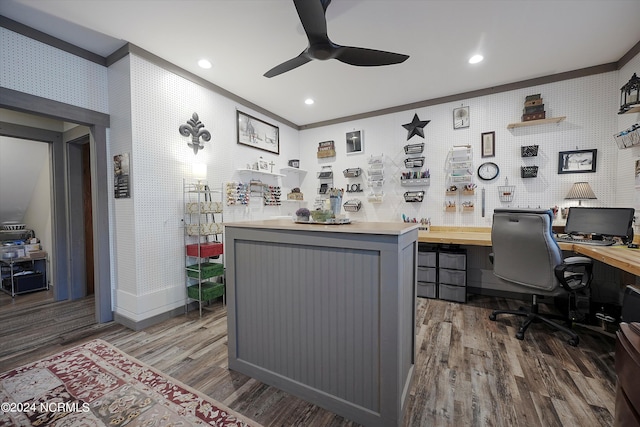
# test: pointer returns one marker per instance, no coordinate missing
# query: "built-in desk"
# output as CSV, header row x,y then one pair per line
x,y
617,256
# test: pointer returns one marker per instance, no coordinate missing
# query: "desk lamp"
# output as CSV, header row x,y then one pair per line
x,y
580,191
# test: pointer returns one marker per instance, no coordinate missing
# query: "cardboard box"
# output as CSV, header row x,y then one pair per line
x,y
37,254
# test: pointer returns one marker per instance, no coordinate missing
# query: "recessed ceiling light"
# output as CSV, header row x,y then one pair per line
x,y
309,101
203,63
475,59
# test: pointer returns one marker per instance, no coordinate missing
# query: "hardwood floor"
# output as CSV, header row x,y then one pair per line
x,y
469,370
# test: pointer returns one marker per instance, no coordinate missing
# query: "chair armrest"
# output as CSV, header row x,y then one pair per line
x,y
575,273
491,257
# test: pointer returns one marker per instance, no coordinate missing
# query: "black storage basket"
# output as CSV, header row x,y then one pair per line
x,y
529,151
528,171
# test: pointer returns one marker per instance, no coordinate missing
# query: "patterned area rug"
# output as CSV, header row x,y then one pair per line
x,y
95,384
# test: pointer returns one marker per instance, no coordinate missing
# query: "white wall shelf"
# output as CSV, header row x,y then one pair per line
x,y
258,172
288,170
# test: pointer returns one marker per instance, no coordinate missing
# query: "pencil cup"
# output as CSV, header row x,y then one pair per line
x,y
336,204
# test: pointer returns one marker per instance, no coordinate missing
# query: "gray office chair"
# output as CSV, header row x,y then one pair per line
x,y
526,255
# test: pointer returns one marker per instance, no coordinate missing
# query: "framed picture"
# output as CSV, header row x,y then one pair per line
x,y
263,165
488,144
577,161
121,176
355,144
257,133
461,117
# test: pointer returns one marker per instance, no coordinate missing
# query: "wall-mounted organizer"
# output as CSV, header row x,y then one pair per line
x,y
256,188
460,164
506,191
528,171
417,179
375,178
352,172
414,162
353,205
203,242
271,195
237,193
450,206
413,196
325,177
529,151
468,191
629,137
414,148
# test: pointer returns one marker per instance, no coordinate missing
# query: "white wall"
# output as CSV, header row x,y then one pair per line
x,y
589,103
148,231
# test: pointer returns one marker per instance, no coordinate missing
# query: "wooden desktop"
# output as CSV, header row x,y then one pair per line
x,y
617,256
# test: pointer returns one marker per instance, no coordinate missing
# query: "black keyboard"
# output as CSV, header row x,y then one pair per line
x,y
585,241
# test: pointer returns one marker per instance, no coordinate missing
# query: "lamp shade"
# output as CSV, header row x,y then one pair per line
x,y
580,191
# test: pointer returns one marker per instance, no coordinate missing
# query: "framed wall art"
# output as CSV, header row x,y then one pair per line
x,y
257,133
263,165
488,144
461,117
577,161
355,143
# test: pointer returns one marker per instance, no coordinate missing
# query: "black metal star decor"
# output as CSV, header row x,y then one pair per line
x,y
416,127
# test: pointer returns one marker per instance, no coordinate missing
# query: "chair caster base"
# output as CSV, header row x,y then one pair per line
x,y
520,335
573,342
492,317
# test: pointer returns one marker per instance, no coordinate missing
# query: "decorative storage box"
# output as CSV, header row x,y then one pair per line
x,y
210,291
534,116
203,207
205,228
207,250
207,270
295,196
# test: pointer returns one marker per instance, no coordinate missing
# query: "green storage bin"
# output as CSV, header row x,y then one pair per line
x,y
207,270
210,291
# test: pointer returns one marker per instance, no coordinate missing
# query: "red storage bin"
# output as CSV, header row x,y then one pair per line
x,y
207,250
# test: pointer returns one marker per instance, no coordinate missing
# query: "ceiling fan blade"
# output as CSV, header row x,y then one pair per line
x,y
288,65
364,57
313,19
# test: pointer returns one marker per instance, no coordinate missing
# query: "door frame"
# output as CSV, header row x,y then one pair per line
x,y
97,123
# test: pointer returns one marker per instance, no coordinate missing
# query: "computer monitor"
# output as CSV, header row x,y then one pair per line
x,y
609,222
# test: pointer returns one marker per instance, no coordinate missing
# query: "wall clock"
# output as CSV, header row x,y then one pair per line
x,y
461,117
488,171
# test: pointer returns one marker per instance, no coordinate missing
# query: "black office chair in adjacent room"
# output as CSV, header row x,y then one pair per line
x,y
526,255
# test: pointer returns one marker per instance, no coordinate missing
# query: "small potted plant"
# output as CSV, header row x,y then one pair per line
x,y
303,214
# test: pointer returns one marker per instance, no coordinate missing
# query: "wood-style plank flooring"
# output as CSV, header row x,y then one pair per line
x,y
469,371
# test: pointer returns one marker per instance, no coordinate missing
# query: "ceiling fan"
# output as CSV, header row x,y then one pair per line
x,y
314,22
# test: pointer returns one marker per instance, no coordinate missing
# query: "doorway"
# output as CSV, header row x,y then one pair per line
x,y
69,242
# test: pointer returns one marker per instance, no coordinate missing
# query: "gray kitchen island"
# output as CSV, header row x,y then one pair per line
x,y
325,312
